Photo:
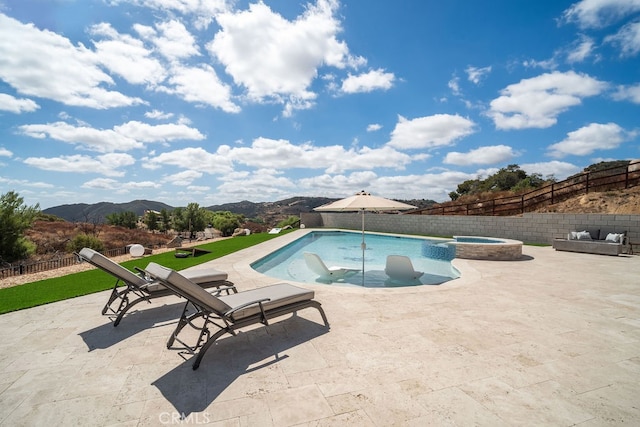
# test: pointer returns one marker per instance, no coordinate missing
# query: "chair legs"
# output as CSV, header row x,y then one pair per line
x,y
224,326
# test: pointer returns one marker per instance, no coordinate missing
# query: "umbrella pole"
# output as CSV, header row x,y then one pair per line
x,y
363,245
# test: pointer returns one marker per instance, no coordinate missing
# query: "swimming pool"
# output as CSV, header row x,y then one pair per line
x,y
343,248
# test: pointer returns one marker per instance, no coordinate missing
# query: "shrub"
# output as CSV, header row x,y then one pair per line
x,y
85,241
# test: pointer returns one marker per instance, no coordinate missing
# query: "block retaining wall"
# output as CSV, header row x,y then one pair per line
x,y
539,228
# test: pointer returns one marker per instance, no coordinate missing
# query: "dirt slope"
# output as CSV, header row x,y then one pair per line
x,y
608,202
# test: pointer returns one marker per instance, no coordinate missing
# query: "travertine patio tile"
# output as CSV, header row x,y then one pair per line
x,y
452,407
298,405
554,340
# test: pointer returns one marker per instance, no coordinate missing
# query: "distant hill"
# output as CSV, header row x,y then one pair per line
x,y
286,207
269,213
97,212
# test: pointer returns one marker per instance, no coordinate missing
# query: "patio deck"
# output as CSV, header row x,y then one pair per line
x,y
553,339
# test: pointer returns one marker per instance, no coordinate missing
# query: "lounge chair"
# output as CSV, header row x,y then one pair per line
x,y
315,264
229,313
399,267
139,287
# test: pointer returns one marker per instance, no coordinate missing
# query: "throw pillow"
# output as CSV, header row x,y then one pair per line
x,y
613,237
584,235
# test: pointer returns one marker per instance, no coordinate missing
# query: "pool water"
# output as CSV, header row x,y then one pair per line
x,y
343,248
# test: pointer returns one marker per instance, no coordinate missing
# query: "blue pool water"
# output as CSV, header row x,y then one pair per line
x,y
342,248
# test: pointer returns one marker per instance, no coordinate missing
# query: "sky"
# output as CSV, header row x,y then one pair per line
x,y
219,101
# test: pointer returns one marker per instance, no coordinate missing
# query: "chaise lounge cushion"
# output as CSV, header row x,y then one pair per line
x,y
199,276
280,295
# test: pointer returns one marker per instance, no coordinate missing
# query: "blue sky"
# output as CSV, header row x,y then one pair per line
x,y
214,101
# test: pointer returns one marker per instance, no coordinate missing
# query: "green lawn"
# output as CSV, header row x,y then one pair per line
x,y
95,280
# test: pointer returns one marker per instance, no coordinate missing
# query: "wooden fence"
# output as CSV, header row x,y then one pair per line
x,y
604,180
16,269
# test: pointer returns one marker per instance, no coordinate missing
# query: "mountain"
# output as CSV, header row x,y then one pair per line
x,y
97,212
268,212
286,207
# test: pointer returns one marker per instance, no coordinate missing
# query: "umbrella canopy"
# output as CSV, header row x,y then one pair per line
x,y
362,202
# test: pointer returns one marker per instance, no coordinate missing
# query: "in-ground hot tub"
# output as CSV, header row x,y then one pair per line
x,y
489,248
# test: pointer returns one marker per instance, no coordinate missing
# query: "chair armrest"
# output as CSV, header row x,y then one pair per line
x,y
143,274
247,304
223,288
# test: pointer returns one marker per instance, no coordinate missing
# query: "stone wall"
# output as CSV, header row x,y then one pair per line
x,y
529,228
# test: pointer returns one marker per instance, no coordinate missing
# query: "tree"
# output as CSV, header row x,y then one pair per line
x,y
126,219
165,220
192,218
226,222
151,220
15,219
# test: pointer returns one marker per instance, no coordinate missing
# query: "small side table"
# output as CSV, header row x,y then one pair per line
x,y
631,244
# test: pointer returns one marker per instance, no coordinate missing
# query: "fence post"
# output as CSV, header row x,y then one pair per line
x,y
587,182
626,177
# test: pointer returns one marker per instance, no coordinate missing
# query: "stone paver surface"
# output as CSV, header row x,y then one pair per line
x,y
553,339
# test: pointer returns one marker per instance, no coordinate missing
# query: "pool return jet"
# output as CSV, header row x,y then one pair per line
x,y
362,202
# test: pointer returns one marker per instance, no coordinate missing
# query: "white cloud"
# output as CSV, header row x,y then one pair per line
x,y
202,86
100,140
430,131
106,164
476,74
174,41
281,154
126,56
57,69
128,136
203,11
5,153
580,50
158,115
587,139
631,93
144,132
481,156
15,105
367,82
196,159
547,64
22,182
113,185
627,39
183,178
374,127
536,102
429,186
599,13
262,185
275,59
559,170
454,85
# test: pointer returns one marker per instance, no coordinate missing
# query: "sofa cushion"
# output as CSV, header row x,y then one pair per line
x,y
594,233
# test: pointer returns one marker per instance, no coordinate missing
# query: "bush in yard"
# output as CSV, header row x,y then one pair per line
x,y
85,241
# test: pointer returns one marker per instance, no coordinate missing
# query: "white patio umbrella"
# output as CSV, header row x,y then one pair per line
x,y
362,202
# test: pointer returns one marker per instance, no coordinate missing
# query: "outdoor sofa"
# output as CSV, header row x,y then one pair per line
x,y
601,241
